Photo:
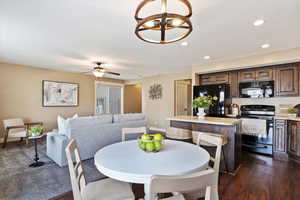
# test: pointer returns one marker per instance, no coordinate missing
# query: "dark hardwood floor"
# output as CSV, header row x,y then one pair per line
x,y
259,178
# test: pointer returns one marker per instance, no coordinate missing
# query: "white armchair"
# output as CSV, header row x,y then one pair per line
x,y
16,128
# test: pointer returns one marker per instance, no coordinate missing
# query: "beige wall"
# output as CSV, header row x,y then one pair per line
x,y
21,94
133,98
157,111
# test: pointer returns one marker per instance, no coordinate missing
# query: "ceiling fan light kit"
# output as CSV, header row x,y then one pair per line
x,y
100,71
163,22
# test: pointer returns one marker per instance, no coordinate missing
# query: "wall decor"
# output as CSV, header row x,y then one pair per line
x,y
60,94
155,91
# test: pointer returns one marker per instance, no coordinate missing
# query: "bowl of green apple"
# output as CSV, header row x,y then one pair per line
x,y
151,143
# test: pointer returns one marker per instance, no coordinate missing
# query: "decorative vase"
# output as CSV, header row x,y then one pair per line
x,y
201,114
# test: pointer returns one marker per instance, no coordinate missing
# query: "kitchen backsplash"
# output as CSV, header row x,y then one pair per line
x,y
279,102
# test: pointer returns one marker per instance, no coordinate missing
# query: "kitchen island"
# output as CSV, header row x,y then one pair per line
x,y
225,126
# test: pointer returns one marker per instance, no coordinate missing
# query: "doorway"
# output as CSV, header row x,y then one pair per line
x,y
183,97
109,98
133,98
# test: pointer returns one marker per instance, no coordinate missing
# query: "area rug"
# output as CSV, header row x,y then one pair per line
x,y
19,182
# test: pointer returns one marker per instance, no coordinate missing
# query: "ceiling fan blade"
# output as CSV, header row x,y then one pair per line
x,y
113,73
87,71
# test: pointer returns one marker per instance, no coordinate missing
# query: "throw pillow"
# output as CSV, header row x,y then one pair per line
x,y
63,124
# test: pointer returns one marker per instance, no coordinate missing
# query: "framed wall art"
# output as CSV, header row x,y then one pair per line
x,y
60,94
155,91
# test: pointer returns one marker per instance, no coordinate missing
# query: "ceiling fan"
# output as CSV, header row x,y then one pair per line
x,y
100,71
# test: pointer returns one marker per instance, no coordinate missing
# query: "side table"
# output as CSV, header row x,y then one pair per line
x,y
36,163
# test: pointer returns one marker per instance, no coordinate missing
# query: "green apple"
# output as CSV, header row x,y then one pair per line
x,y
142,145
145,137
150,146
157,146
158,136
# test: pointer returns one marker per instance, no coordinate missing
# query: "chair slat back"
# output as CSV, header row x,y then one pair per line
x,y
13,122
127,131
216,141
78,180
182,183
204,179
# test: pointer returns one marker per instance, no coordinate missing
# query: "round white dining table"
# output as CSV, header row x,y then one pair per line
x,y
126,162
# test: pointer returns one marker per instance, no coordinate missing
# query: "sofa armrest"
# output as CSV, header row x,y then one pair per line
x,y
56,144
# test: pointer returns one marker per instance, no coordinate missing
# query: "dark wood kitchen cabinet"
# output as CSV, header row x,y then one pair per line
x,y
216,78
264,75
247,76
287,80
280,140
294,138
261,74
234,84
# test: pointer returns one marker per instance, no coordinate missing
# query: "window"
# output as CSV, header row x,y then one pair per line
x,y
109,98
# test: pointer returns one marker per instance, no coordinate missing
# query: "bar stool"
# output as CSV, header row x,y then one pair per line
x,y
224,138
179,134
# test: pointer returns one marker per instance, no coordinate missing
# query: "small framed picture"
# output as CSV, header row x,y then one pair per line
x,y
60,94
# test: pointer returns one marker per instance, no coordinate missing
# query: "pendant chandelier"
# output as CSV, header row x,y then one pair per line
x,y
163,22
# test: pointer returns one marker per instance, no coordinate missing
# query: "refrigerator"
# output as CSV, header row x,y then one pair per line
x,y
221,91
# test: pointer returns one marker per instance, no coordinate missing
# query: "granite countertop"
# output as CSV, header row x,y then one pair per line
x,y
286,117
207,120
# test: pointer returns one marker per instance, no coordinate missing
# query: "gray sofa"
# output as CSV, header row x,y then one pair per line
x,y
91,134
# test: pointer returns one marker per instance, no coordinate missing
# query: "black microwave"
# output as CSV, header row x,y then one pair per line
x,y
260,89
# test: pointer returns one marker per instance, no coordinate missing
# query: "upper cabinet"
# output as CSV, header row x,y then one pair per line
x,y
262,74
287,80
216,78
234,84
247,76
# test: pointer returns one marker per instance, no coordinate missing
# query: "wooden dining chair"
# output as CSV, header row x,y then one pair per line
x,y
16,128
128,131
99,190
207,179
200,142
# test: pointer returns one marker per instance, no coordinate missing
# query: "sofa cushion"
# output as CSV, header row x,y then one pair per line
x,y
128,117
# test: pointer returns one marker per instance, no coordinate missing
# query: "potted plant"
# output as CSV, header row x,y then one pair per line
x,y
202,103
36,130
292,112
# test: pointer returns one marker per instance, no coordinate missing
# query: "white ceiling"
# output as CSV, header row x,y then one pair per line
x,y
70,34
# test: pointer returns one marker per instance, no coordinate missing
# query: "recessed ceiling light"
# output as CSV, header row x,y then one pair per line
x,y
184,43
265,46
258,22
206,57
